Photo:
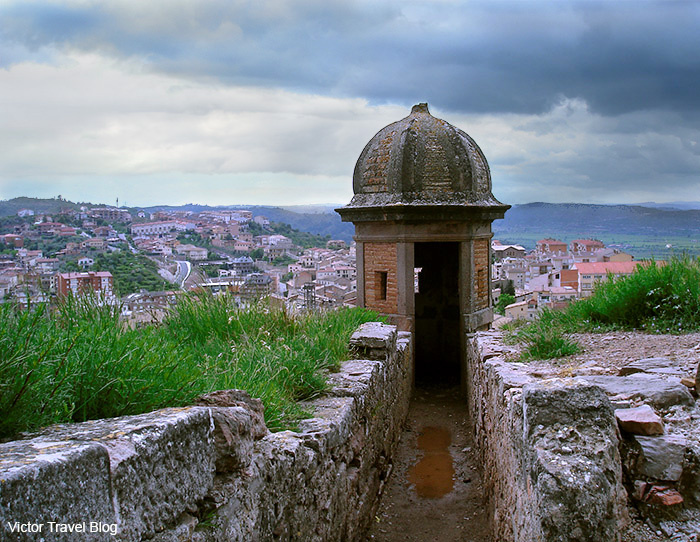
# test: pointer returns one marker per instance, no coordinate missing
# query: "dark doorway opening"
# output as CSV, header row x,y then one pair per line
x,y
437,340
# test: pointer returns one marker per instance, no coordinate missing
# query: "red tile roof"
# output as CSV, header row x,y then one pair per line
x,y
598,268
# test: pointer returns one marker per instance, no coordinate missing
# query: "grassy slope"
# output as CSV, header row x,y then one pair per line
x,y
655,298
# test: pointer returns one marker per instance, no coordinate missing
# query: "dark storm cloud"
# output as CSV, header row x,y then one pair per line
x,y
461,56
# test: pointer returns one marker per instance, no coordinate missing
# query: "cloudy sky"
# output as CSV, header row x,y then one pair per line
x,y
271,101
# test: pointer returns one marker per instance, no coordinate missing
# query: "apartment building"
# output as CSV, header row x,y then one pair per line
x,y
100,282
161,228
111,214
591,273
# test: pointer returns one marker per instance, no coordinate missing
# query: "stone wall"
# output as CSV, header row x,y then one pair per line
x,y
549,448
213,472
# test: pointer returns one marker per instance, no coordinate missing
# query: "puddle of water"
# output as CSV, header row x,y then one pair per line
x,y
433,475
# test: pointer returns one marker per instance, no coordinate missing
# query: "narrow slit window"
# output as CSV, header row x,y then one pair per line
x,y
381,285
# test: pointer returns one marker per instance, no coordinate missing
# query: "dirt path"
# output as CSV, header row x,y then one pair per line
x,y
434,493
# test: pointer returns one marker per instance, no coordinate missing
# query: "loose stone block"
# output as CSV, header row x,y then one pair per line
x,y
658,391
641,420
239,398
660,457
373,340
688,383
653,366
354,377
664,496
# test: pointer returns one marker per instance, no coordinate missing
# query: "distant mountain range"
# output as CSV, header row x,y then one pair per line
x,y
681,205
522,222
591,220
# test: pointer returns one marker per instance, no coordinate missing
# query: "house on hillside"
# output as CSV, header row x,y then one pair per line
x,y
564,278
192,252
111,214
336,244
611,255
501,251
551,247
85,262
555,297
523,310
46,265
98,243
12,240
588,246
591,273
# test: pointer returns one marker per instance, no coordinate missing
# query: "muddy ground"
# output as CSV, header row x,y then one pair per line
x,y
434,493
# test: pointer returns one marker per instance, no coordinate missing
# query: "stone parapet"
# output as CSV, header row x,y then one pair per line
x,y
211,473
549,447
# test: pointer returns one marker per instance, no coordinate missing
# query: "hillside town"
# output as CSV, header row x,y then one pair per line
x,y
45,257
553,274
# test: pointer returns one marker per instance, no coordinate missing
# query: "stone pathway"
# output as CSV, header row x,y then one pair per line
x,y
434,493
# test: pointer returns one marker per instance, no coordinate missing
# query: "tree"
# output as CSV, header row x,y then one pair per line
x,y
509,288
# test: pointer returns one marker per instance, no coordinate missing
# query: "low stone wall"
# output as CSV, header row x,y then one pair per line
x,y
549,448
213,472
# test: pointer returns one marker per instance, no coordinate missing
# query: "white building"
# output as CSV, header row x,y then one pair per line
x,y
161,228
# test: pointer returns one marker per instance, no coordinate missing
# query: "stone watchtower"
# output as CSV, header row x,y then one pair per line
x,y
422,211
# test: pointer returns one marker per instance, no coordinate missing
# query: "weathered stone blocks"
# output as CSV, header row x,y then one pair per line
x,y
549,449
214,473
138,472
658,391
573,447
661,366
45,480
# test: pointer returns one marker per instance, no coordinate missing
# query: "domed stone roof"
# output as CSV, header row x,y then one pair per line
x,y
422,160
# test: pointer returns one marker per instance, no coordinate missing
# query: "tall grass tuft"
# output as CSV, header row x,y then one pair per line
x,y
78,362
657,298
544,338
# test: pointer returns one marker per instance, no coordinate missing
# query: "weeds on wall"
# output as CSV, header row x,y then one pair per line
x,y
543,338
657,298
78,362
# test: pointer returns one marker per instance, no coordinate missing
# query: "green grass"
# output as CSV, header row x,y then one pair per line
x,y
79,362
543,338
655,298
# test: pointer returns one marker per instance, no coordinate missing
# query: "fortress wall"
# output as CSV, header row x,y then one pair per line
x,y
549,449
214,473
